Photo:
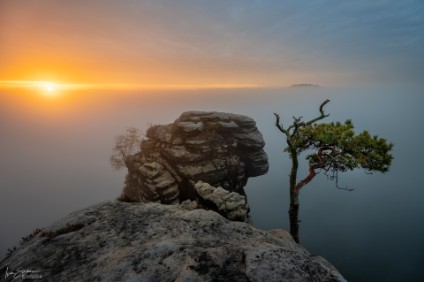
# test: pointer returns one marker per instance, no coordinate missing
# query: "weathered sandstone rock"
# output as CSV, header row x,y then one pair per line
x,y
230,204
118,241
221,149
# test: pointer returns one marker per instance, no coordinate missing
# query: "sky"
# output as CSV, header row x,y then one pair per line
x,y
217,43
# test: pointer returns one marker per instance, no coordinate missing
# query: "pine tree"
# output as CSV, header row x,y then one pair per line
x,y
335,148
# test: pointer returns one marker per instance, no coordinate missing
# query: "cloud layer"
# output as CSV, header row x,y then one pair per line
x,y
217,42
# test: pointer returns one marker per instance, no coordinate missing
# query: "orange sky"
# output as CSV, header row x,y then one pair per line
x,y
48,41
205,43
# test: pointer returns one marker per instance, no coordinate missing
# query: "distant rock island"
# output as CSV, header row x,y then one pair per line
x,y
118,241
304,85
182,216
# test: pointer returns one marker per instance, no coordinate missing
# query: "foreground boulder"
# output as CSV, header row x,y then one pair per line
x,y
117,241
221,149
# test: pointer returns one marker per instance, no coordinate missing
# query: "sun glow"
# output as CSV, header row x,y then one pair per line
x,y
45,88
49,88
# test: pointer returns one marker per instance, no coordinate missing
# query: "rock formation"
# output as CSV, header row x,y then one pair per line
x,y
118,241
232,205
220,149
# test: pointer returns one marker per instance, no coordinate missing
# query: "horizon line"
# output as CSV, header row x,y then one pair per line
x,y
129,86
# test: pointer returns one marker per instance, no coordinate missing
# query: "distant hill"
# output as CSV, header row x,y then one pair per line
x,y
304,85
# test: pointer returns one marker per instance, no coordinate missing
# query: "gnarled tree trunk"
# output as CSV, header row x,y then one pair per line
x,y
294,198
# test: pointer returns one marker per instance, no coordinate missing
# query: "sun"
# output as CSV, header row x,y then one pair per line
x,y
46,88
49,88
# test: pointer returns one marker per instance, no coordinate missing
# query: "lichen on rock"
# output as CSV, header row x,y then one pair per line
x,y
221,149
117,241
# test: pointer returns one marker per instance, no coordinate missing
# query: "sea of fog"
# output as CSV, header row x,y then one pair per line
x,y
55,159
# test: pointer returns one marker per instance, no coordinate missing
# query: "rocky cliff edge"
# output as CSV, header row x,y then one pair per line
x,y
118,241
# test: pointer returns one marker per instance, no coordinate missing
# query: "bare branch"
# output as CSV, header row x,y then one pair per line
x,y
322,116
278,125
321,108
297,121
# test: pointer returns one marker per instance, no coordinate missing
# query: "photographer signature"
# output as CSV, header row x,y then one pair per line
x,y
23,273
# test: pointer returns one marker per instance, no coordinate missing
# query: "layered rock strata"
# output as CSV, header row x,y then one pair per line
x,y
221,149
230,204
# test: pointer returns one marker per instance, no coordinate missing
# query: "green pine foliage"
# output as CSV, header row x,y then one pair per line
x,y
337,147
